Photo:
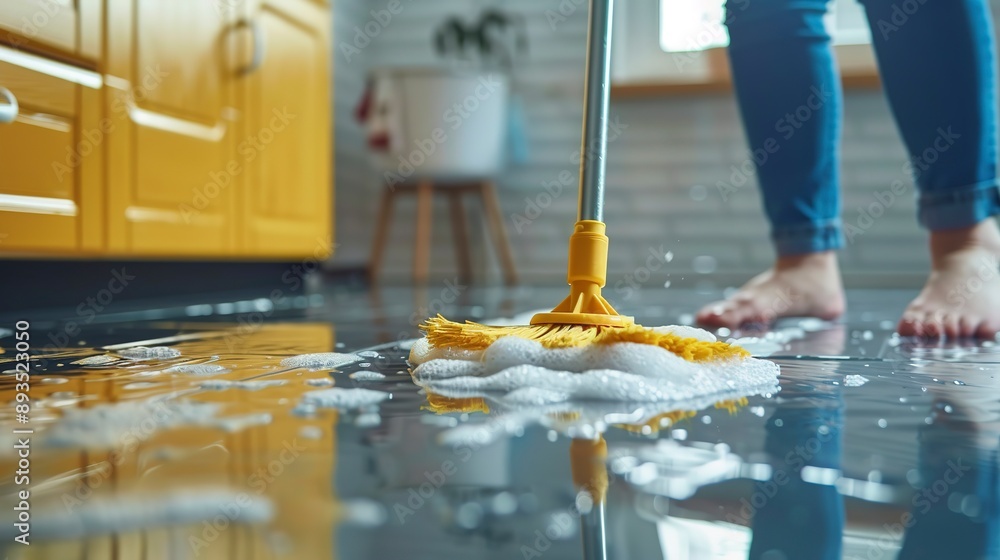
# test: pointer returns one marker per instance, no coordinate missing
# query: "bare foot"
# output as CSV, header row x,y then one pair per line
x,y
962,294
798,286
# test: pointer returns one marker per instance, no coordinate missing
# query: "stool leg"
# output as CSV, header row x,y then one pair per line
x,y
422,241
460,232
381,234
499,232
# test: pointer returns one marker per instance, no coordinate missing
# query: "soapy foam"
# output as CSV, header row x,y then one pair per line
x,y
615,372
367,376
96,360
197,369
253,385
139,353
102,516
320,382
343,398
854,380
320,360
235,424
513,413
110,425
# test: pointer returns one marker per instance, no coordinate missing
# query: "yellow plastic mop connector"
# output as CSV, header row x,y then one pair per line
x,y
588,270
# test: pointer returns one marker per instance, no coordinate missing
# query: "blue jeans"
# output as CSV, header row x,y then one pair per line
x,y
937,61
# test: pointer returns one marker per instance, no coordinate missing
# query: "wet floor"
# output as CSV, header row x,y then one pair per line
x,y
184,430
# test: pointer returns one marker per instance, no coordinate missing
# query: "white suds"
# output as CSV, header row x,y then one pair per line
x,y
234,424
102,516
368,354
532,395
254,385
321,360
96,360
343,398
197,369
611,372
149,353
367,376
854,380
311,432
320,382
107,426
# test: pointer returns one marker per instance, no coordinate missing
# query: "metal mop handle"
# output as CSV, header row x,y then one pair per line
x,y
597,89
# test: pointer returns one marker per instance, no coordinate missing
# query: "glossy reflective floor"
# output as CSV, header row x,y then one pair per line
x,y
874,447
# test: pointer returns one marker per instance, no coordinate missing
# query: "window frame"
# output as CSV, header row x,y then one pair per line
x,y
640,68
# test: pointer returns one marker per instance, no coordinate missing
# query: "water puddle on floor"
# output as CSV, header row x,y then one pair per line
x,y
202,440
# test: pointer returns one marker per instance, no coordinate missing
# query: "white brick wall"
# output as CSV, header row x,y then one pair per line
x,y
662,171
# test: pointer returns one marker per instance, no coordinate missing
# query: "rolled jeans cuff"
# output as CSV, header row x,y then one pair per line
x,y
808,238
959,208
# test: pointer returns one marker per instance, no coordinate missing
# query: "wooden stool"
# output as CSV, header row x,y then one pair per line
x,y
425,190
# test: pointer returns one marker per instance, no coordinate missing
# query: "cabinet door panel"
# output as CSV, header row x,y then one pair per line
x,y
51,158
174,98
51,22
288,204
181,39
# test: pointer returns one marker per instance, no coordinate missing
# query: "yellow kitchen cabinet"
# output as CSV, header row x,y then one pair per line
x,y
206,126
169,91
61,28
51,198
286,149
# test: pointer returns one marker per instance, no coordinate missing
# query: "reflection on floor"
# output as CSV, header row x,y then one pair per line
x,y
215,446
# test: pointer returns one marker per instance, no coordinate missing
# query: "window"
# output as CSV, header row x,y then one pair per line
x,y
697,25
680,44
692,25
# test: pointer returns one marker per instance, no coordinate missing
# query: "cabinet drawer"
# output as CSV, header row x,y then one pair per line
x,y
52,22
51,161
69,26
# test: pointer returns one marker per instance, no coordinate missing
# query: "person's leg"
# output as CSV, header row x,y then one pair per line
x,y
788,91
938,64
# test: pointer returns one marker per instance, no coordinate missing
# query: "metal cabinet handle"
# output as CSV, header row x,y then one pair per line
x,y
9,111
259,45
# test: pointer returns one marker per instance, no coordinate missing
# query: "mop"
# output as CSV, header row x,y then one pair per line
x,y
584,319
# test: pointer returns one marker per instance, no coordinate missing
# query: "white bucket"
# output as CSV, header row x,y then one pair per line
x,y
453,126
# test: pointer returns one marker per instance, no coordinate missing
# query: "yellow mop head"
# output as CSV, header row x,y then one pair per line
x,y
583,318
